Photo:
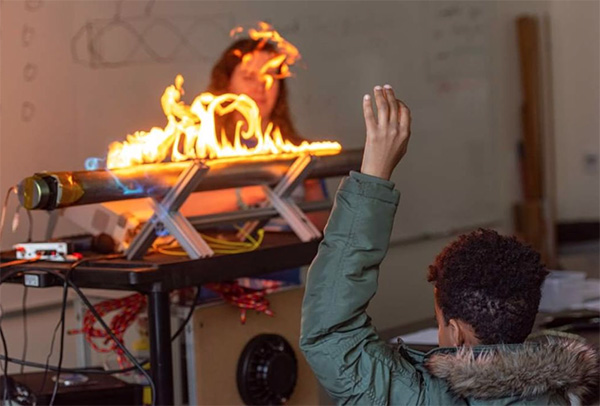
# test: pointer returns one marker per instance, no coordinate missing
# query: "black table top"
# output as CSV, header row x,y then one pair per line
x,y
159,272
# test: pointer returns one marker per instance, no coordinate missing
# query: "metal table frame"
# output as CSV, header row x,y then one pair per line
x,y
157,275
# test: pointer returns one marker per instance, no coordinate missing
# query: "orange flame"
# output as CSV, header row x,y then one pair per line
x,y
287,54
191,133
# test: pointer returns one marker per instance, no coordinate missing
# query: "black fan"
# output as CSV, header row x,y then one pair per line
x,y
267,371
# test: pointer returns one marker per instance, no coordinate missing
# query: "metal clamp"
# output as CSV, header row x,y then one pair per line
x,y
166,216
279,198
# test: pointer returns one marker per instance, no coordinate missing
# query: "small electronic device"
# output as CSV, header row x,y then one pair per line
x,y
47,251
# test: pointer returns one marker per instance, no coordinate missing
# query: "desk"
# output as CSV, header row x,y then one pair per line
x,y
157,275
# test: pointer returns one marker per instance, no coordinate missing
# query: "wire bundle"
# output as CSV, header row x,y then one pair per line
x,y
233,292
129,308
218,245
246,298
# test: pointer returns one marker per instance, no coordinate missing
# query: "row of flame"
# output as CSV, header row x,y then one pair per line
x,y
191,130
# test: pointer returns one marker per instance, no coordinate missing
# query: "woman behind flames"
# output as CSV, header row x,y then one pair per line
x,y
238,71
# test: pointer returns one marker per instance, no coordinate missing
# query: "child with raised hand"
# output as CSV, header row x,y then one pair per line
x,y
486,295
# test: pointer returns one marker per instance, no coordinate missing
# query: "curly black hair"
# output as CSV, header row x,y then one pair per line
x,y
490,281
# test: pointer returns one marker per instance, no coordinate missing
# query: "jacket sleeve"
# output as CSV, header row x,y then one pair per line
x,y
350,360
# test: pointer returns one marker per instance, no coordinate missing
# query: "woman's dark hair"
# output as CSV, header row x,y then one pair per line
x,y
221,76
491,282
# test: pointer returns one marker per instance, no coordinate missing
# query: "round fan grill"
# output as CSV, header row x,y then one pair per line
x,y
267,371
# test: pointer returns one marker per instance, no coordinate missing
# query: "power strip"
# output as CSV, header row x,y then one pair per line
x,y
47,251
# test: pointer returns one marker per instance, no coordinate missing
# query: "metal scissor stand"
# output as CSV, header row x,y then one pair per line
x,y
167,218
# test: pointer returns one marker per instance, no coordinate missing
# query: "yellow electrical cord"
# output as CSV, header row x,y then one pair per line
x,y
219,245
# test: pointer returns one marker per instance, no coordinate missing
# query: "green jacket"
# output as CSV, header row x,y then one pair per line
x,y
356,367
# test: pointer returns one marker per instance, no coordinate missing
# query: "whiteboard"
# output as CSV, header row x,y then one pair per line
x,y
88,73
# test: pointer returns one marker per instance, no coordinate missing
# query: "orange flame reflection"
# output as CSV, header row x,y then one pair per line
x,y
191,133
286,55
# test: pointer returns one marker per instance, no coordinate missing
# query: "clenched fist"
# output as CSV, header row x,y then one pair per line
x,y
388,132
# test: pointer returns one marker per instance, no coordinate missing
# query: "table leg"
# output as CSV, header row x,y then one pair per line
x,y
161,361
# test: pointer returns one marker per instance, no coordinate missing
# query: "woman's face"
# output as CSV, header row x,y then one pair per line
x,y
246,79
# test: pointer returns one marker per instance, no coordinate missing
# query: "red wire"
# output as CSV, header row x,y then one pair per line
x,y
246,298
130,307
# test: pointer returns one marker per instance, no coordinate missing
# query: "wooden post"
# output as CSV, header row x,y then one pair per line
x,y
533,186
531,212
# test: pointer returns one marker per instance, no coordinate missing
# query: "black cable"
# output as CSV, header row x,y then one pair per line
x,y
75,264
62,333
25,335
93,310
47,365
93,370
3,338
62,339
188,317
54,368
5,364
6,274
96,315
62,323
137,365
10,273
116,340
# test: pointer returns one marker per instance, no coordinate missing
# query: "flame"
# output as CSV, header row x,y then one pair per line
x,y
191,133
286,53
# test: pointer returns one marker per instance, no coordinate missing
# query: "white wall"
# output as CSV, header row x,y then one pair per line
x,y
575,41
404,294
571,29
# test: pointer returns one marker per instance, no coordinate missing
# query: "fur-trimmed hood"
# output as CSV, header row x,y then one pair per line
x,y
562,365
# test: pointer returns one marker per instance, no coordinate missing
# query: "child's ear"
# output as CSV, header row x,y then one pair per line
x,y
456,334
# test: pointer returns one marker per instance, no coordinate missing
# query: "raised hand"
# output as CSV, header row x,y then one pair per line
x,y
388,132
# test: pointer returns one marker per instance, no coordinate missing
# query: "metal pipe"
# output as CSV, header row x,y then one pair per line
x,y
261,213
53,190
